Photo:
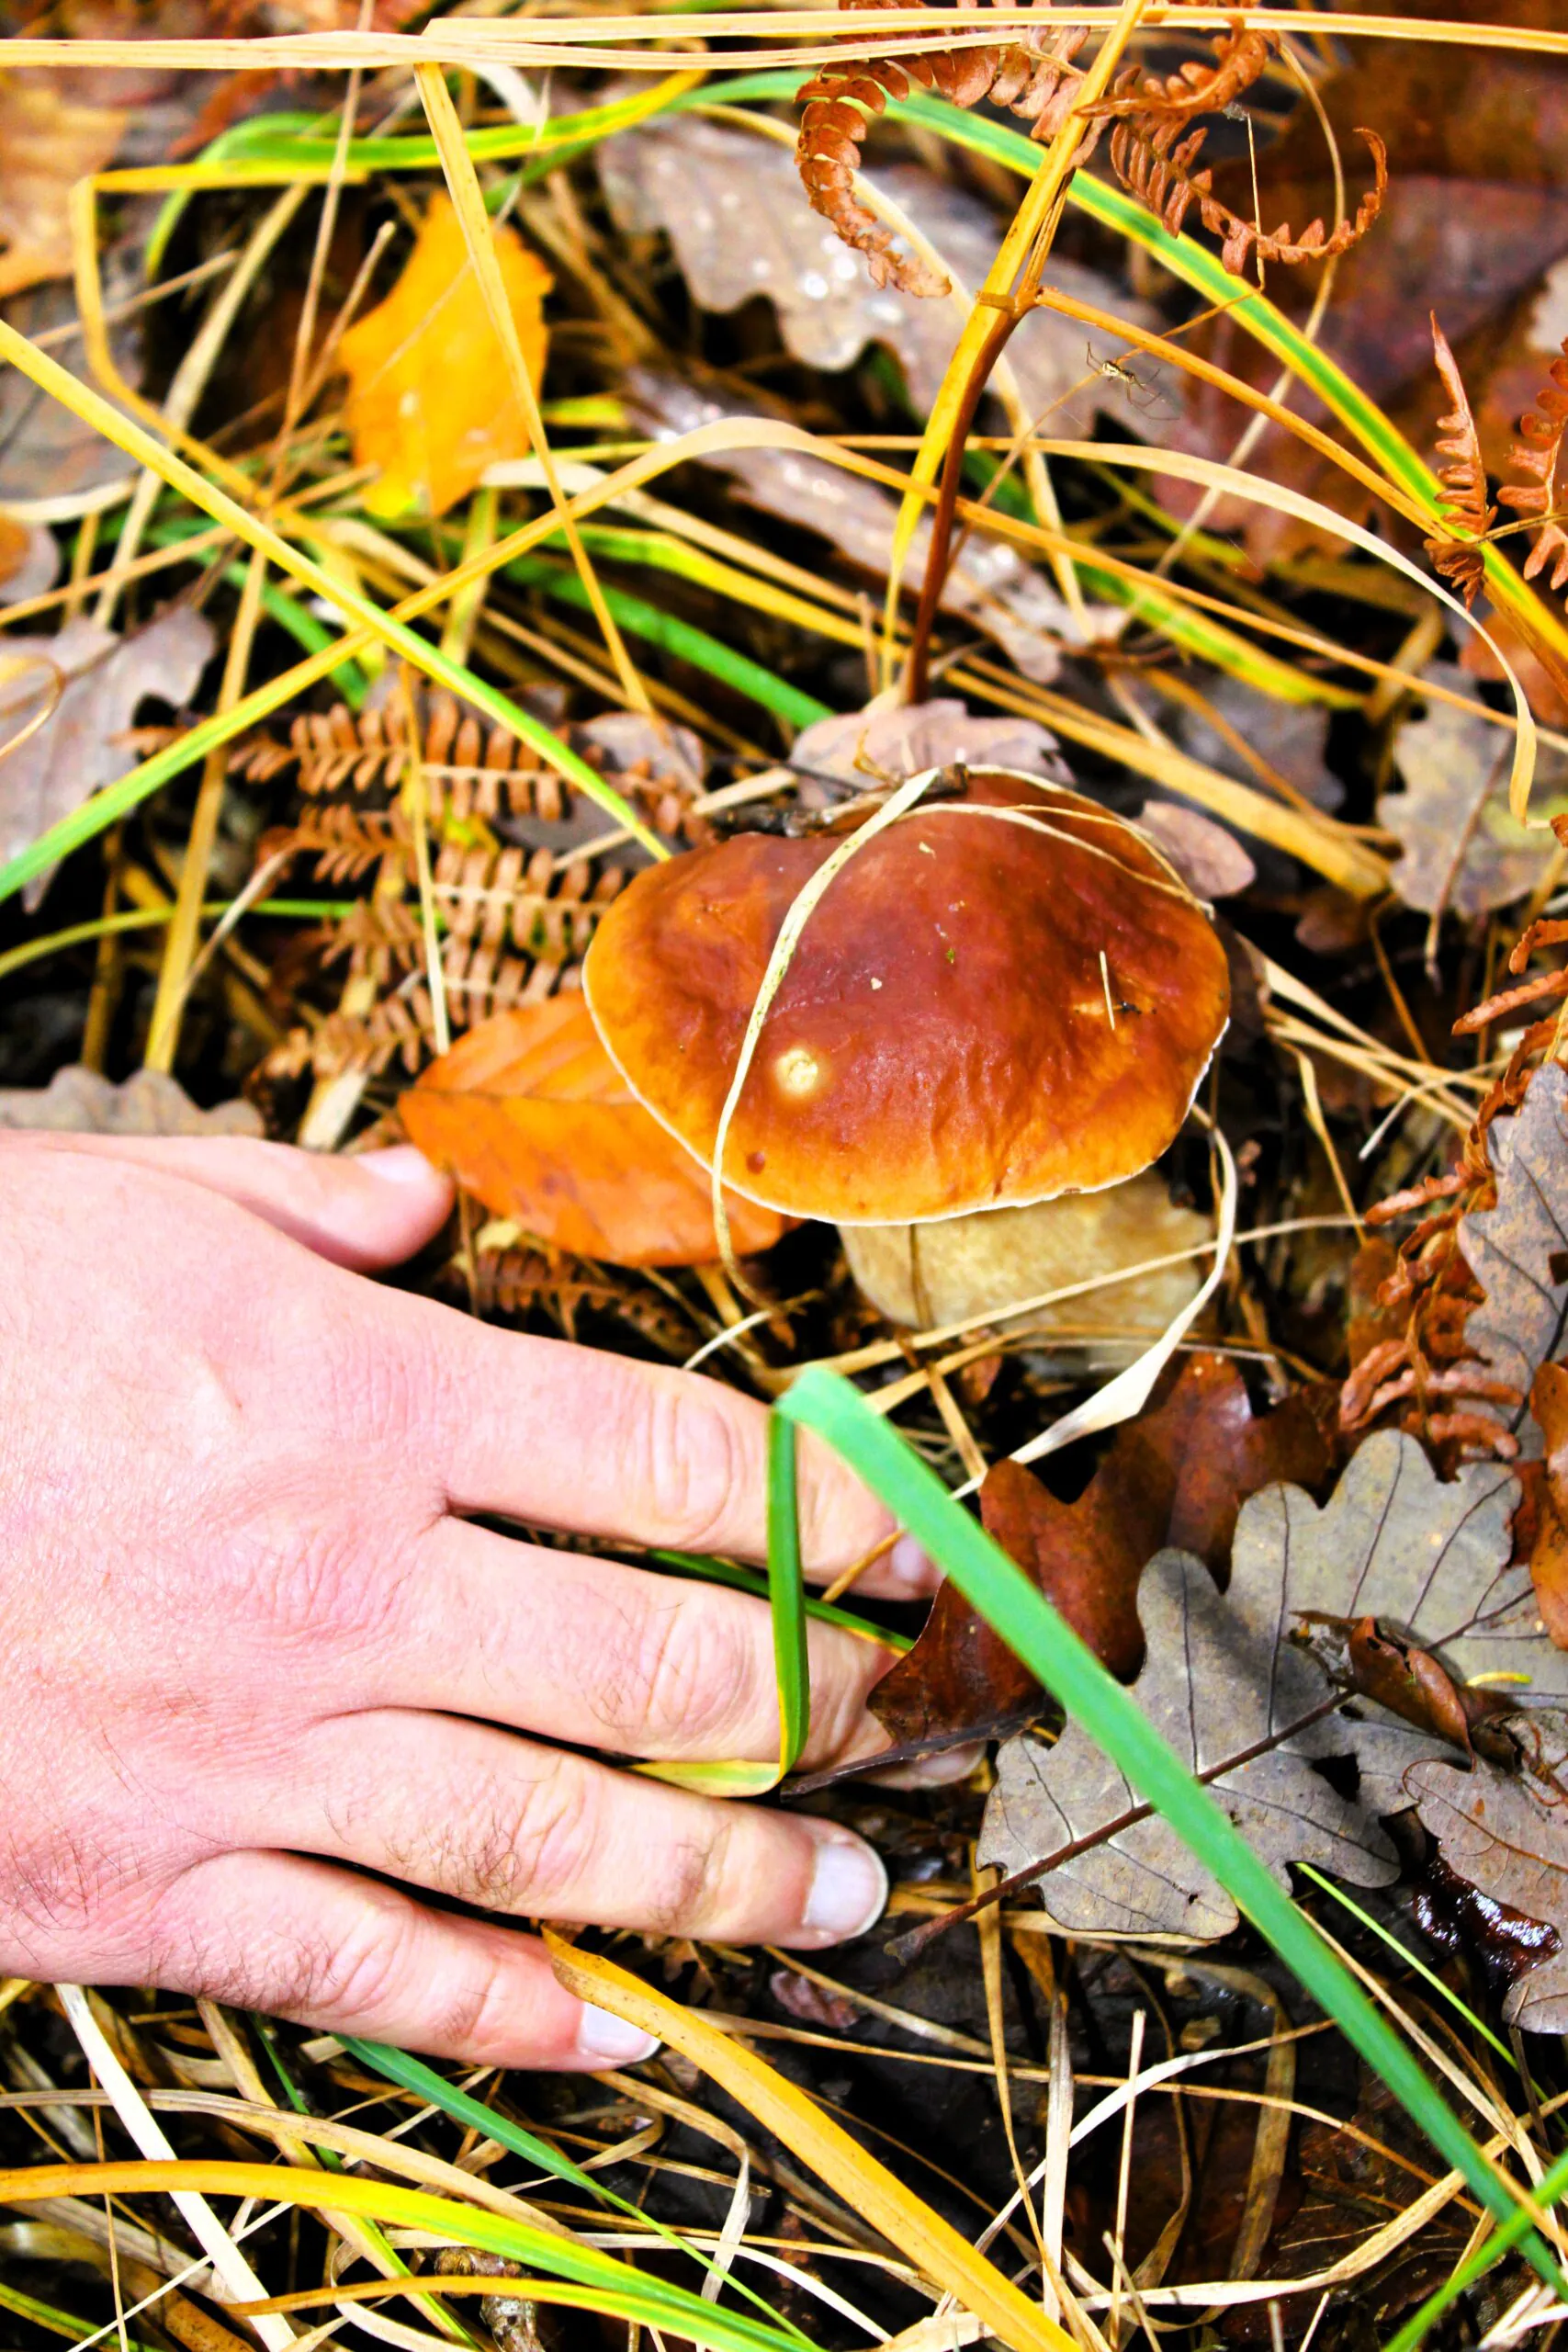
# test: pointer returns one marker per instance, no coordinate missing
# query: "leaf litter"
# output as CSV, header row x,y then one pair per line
x,y
1330,1551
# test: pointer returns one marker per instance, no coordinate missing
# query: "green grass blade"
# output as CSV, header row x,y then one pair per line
x,y
671,635
413,2074
820,1400
743,1579
1414,1963
1551,2186
786,1594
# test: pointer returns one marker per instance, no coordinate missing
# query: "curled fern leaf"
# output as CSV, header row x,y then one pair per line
x,y
1539,452
1033,78
1158,169
1457,558
1240,56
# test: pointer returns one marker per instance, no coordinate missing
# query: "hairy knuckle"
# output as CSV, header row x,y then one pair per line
x,y
529,1840
689,1877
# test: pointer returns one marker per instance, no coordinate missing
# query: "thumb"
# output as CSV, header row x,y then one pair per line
x,y
366,1210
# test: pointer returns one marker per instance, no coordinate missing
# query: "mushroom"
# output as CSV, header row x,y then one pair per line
x,y
994,1021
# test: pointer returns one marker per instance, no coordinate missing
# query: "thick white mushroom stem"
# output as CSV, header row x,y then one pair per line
x,y
974,1268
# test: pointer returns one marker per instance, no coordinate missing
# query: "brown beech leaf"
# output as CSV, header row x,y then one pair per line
x,y
530,1115
1549,1553
47,142
429,403
1178,1476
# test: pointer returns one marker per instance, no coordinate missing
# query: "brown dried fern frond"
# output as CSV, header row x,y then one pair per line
x,y
1034,78
399,1027
1240,55
1430,1367
520,1279
1156,169
381,939
346,842
1457,560
1539,452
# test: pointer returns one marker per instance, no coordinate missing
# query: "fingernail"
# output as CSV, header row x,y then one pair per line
x,y
849,1888
909,1565
605,2040
397,1163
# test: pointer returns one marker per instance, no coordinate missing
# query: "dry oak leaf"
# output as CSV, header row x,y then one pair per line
x,y
1217,1684
47,142
989,586
1431,1560
1460,849
730,205
1518,1250
79,692
148,1103
429,400
1428,1559
1507,1835
1177,1475
891,739
530,1115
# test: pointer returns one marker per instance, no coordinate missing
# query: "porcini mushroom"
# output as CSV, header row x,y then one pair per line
x,y
994,1021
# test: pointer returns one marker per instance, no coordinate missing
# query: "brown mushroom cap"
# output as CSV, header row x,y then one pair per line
x,y
942,1040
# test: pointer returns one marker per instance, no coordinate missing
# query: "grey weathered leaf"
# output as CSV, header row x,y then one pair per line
x,y
1217,1681
1460,849
1519,1251
1292,736
990,585
1209,859
148,1102
1506,1834
1429,1558
892,739
732,206
101,679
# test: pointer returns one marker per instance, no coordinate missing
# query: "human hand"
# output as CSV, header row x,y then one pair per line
x,y
255,1635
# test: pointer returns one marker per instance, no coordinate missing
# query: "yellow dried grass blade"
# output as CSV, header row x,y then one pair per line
x,y
1032,223
396,635
1212,473
871,2191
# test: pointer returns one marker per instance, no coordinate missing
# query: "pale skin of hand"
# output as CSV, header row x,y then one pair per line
x,y
269,1684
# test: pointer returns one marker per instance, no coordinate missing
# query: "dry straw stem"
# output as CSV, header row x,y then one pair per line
x,y
462,182
1023,248
870,2189
95,410
459,42
1326,847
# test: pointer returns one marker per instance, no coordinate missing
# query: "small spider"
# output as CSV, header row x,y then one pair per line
x,y
1141,396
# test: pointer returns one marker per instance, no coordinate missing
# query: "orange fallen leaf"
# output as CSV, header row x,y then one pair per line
x,y
429,402
46,144
530,1115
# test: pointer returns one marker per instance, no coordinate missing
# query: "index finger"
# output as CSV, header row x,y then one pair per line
x,y
569,1437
